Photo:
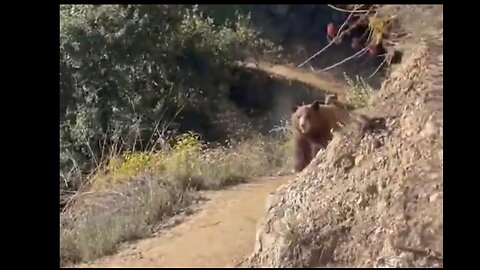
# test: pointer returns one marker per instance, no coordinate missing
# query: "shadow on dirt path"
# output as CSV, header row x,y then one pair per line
x,y
219,235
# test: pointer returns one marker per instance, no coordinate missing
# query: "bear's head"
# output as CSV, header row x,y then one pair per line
x,y
306,119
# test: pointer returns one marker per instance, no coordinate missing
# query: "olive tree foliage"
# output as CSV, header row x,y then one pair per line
x,y
126,70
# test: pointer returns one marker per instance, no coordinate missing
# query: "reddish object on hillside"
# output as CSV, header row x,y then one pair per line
x,y
372,50
331,30
356,45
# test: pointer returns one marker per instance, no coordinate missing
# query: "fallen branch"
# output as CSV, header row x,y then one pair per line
x,y
379,66
362,51
348,11
420,251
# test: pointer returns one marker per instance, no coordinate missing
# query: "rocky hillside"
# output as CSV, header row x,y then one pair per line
x,y
375,199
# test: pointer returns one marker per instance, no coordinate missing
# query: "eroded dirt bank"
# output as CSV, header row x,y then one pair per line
x,y
374,200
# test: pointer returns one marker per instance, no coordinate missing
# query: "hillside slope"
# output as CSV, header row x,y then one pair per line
x,y
373,200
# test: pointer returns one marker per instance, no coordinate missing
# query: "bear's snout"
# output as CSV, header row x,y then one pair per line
x,y
303,124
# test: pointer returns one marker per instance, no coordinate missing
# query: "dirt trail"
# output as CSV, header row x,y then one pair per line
x,y
219,235
321,80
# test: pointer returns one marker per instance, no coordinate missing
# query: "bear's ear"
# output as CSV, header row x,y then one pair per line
x,y
294,108
329,99
315,105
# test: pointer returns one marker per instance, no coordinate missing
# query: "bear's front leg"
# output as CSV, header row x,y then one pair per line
x,y
315,149
303,154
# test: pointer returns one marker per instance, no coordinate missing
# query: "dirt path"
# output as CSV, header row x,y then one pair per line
x,y
321,80
220,235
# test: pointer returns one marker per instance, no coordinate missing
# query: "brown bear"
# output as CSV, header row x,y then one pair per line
x,y
313,125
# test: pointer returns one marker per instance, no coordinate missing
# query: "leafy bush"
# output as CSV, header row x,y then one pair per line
x,y
128,71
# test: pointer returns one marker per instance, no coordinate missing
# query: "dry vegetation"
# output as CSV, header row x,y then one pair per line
x,y
129,197
360,92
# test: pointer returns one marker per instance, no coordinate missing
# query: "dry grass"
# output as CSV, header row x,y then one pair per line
x,y
192,163
360,92
103,219
131,195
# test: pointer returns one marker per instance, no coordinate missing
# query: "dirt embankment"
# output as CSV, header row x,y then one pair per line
x,y
374,200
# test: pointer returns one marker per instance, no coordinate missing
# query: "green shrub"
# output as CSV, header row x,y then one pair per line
x,y
128,71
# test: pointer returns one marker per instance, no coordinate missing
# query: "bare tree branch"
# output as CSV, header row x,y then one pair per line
x,y
339,35
348,11
362,51
379,66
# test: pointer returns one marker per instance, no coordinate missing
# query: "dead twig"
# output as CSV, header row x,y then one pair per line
x,y
421,251
362,51
379,66
339,36
91,151
349,11
84,185
114,192
70,200
153,133
165,127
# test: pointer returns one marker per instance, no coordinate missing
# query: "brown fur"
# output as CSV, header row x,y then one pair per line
x,y
333,100
314,124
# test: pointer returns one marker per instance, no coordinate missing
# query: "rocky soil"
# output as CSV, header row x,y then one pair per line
x,y
374,199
